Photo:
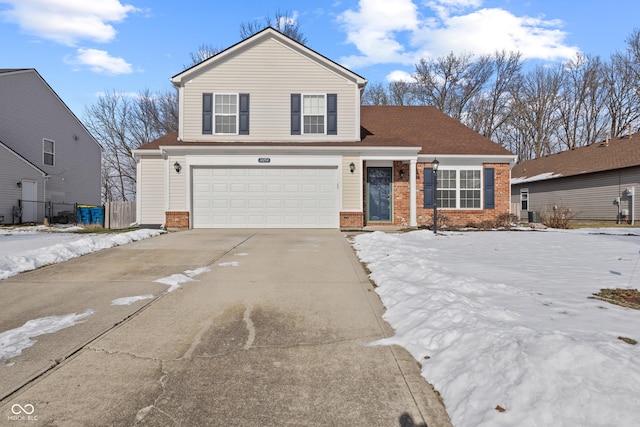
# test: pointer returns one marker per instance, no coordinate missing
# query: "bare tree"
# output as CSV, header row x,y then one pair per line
x,y
582,109
623,96
450,82
375,94
204,52
285,22
401,92
490,109
122,123
535,117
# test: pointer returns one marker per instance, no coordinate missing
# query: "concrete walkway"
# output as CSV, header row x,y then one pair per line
x,y
274,334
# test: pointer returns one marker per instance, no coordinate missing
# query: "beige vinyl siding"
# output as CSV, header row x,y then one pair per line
x,y
151,197
178,184
282,71
589,196
351,185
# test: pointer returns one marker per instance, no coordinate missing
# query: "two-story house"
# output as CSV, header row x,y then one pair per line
x,y
48,159
272,134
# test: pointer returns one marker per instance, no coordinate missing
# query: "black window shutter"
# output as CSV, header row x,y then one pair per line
x,y
489,188
332,114
429,190
207,113
296,113
243,127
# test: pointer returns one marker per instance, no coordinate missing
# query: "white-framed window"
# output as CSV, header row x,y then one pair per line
x,y
48,152
524,199
459,188
225,113
314,113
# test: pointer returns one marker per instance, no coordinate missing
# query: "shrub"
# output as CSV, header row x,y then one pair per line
x,y
557,216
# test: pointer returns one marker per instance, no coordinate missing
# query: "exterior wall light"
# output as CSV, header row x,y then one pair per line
x,y
401,173
177,167
352,167
434,164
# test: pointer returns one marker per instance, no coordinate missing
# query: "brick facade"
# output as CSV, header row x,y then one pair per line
x,y
350,220
177,219
451,217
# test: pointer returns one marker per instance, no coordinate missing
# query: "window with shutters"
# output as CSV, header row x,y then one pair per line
x,y
225,116
48,152
225,113
313,113
457,188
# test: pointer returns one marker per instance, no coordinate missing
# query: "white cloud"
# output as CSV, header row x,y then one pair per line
x,y
401,32
373,29
68,21
99,61
399,76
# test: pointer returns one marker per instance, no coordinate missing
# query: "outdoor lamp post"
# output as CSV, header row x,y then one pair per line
x,y
434,164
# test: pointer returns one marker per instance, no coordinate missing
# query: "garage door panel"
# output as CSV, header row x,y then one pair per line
x,y
265,197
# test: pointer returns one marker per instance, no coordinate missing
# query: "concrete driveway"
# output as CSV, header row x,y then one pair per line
x,y
276,333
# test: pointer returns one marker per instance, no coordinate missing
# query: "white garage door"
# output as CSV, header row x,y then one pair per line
x,y
266,197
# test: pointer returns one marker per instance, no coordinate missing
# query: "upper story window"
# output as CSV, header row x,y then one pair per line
x,y
313,113
225,114
48,152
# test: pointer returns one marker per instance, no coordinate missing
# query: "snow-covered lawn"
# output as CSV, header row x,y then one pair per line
x,y
27,248
503,326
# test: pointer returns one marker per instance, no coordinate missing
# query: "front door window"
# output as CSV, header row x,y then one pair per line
x,y
379,193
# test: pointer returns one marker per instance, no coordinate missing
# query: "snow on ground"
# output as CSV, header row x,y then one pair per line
x,y
503,320
28,248
13,341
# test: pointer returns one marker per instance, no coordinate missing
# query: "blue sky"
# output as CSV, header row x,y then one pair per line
x,y
86,47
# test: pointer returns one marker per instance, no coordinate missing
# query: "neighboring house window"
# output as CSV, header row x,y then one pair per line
x,y
314,114
524,199
225,114
48,150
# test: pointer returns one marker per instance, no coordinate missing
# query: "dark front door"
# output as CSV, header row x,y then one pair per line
x,y
379,194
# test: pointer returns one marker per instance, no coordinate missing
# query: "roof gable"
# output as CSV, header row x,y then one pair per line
x,y
266,34
602,156
22,159
9,71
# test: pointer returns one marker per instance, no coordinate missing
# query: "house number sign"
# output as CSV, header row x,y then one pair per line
x,y
264,160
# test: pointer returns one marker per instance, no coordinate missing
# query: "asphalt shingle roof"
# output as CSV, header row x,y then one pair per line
x,y
618,153
388,126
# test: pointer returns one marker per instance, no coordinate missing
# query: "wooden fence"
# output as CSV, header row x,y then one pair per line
x,y
119,214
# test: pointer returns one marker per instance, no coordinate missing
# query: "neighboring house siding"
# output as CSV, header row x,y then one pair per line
x,y
151,197
12,171
282,72
590,196
177,184
29,112
351,185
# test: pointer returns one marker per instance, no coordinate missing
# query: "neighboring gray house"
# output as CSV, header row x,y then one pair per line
x,y
597,182
46,153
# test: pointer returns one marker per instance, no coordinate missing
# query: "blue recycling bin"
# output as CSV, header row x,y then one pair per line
x,y
97,215
84,215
